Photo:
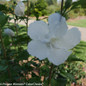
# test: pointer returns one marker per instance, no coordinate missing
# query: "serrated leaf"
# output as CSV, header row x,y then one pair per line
x,y
74,58
68,76
2,68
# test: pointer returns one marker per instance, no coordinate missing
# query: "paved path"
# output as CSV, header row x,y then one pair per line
x,y
82,30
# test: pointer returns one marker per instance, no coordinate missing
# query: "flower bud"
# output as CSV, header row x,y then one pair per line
x,y
19,9
9,32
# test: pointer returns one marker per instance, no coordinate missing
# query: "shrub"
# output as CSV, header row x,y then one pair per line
x,y
51,9
72,14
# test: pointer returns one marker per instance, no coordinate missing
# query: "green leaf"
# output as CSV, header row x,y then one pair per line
x,y
68,4
2,68
68,76
35,80
6,41
74,58
44,70
57,82
23,55
3,8
74,5
54,82
3,19
61,82
82,3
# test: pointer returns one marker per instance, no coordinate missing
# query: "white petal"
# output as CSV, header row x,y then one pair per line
x,y
19,9
57,25
58,56
38,49
38,30
70,40
55,17
9,32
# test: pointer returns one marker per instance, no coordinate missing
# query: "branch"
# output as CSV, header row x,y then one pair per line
x,y
50,75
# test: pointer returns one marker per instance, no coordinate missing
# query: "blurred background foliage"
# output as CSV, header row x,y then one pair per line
x,y
46,7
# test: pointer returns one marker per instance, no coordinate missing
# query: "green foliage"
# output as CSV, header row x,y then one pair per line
x,y
44,71
68,4
51,2
51,9
72,71
70,8
73,58
82,3
80,50
38,8
2,68
42,7
3,19
3,8
74,9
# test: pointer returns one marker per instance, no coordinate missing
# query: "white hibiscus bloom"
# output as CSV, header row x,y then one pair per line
x,y
9,32
53,40
19,9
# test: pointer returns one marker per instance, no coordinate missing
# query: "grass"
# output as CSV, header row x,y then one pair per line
x,y
78,23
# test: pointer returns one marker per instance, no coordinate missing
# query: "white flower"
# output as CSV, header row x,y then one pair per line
x,y
9,32
53,40
19,9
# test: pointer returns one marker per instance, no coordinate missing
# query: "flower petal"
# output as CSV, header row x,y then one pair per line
x,y
38,49
21,5
58,56
57,25
38,30
70,40
55,17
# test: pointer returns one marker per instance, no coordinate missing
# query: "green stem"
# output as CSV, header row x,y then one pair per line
x,y
27,13
15,26
50,75
2,43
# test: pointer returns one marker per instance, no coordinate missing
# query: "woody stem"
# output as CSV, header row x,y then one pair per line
x,y
50,75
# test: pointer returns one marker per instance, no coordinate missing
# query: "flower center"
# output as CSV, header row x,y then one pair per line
x,y
52,43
